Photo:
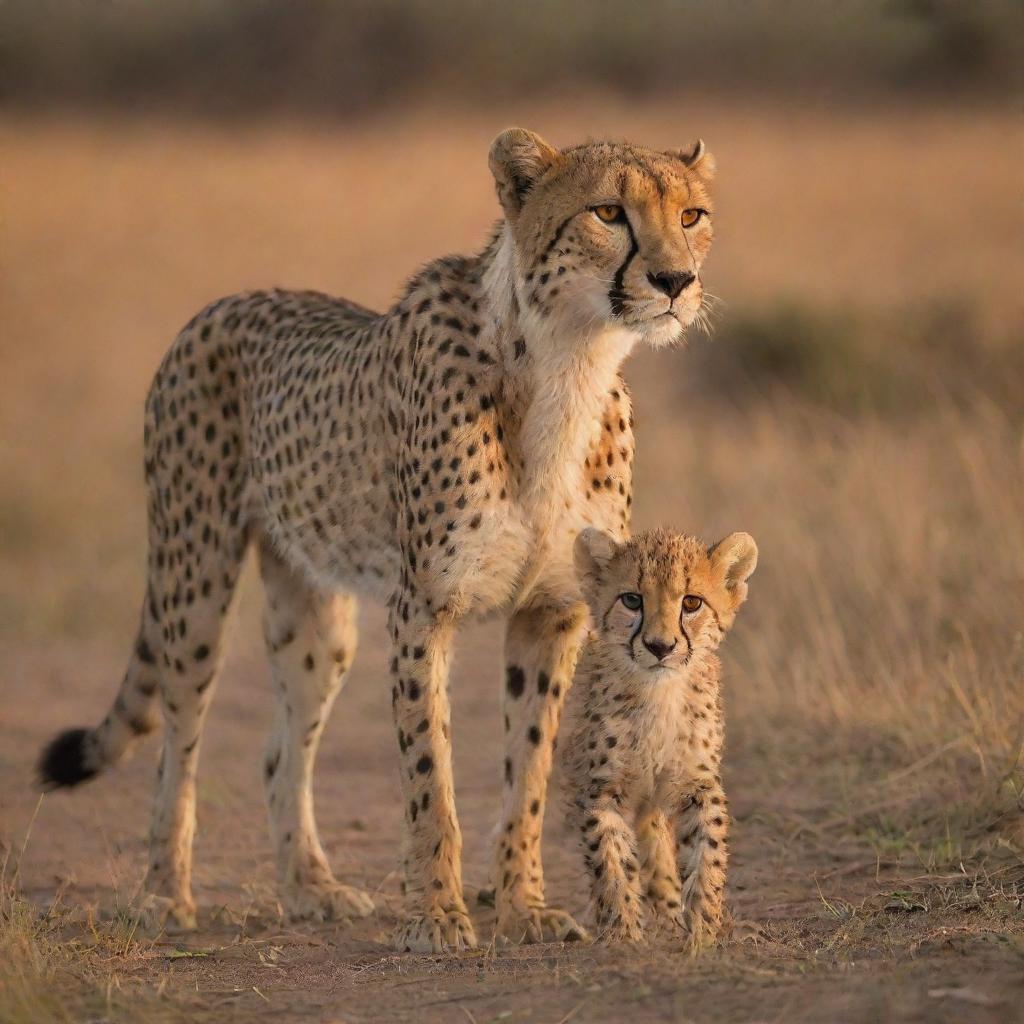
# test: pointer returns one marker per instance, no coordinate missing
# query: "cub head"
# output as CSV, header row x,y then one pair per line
x,y
663,598
606,232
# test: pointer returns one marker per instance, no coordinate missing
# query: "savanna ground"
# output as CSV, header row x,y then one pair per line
x,y
859,411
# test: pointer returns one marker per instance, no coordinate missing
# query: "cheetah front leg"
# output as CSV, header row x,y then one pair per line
x,y
701,829
656,843
542,645
437,920
610,855
311,638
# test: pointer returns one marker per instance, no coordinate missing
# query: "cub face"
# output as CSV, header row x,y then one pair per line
x,y
663,598
607,233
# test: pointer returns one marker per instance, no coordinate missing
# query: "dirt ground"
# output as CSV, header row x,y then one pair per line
x,y
826,929
875,684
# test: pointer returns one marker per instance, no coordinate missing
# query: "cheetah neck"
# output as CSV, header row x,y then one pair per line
x,y
556,391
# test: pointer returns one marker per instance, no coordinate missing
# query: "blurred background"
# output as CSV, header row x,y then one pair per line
x,y
859,406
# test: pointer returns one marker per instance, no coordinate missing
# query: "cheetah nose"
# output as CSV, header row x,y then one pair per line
x,y
659,648
672,282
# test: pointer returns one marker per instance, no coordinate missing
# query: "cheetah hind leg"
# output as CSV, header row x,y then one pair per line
x,y
188,661
311,639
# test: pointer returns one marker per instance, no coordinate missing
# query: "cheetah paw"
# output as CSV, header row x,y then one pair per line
x,y
331,902
161,913
517,925
699,936
439,931
624,929
666,917
696,933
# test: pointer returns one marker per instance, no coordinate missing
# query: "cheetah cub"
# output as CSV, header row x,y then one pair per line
x,y
643,757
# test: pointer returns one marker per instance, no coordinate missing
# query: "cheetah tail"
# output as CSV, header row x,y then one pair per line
x,y
77,755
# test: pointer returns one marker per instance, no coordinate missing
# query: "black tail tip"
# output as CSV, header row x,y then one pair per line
x,y
63,762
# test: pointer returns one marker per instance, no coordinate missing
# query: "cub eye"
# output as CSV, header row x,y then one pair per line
x,y
690,217
610,214
692,603
634,602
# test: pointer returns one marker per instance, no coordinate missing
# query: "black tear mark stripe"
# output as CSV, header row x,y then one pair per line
x,y
616,295
638,627
637,630
686,637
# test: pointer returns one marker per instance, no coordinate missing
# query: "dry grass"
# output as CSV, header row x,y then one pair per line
x,y
875,681
57,963
889,608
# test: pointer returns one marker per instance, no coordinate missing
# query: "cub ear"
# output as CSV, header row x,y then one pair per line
x,y
698,160
735,559
593,550
518,158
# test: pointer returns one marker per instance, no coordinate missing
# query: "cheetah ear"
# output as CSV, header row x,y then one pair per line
x,y
593,550
735,559
518,158
698,160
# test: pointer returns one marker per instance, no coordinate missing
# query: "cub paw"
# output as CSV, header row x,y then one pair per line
x,y
623,927
331,902
666,913
161,913
518,925
699,934
438,931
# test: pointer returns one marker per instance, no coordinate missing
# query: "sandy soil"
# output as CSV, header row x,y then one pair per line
x,y
819,934
801,950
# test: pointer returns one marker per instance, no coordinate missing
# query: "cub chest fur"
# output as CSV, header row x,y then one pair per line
x,y
664,737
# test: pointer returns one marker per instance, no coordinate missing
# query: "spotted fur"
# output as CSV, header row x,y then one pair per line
x,y
443,456
644,756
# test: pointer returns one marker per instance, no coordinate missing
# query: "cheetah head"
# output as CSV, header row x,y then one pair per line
x,y
663,598
606,233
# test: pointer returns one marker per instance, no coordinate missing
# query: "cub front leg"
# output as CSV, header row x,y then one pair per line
x,y
541,647
610,855
436,919
656,843
701,830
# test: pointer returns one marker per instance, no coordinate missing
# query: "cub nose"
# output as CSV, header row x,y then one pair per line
x,y
661,649
672,282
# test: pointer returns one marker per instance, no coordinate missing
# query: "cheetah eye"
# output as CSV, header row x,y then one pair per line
x,y
690,217
610,214
633,602
692,603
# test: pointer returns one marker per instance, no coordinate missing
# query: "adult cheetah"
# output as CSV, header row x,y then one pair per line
x,y
443,455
